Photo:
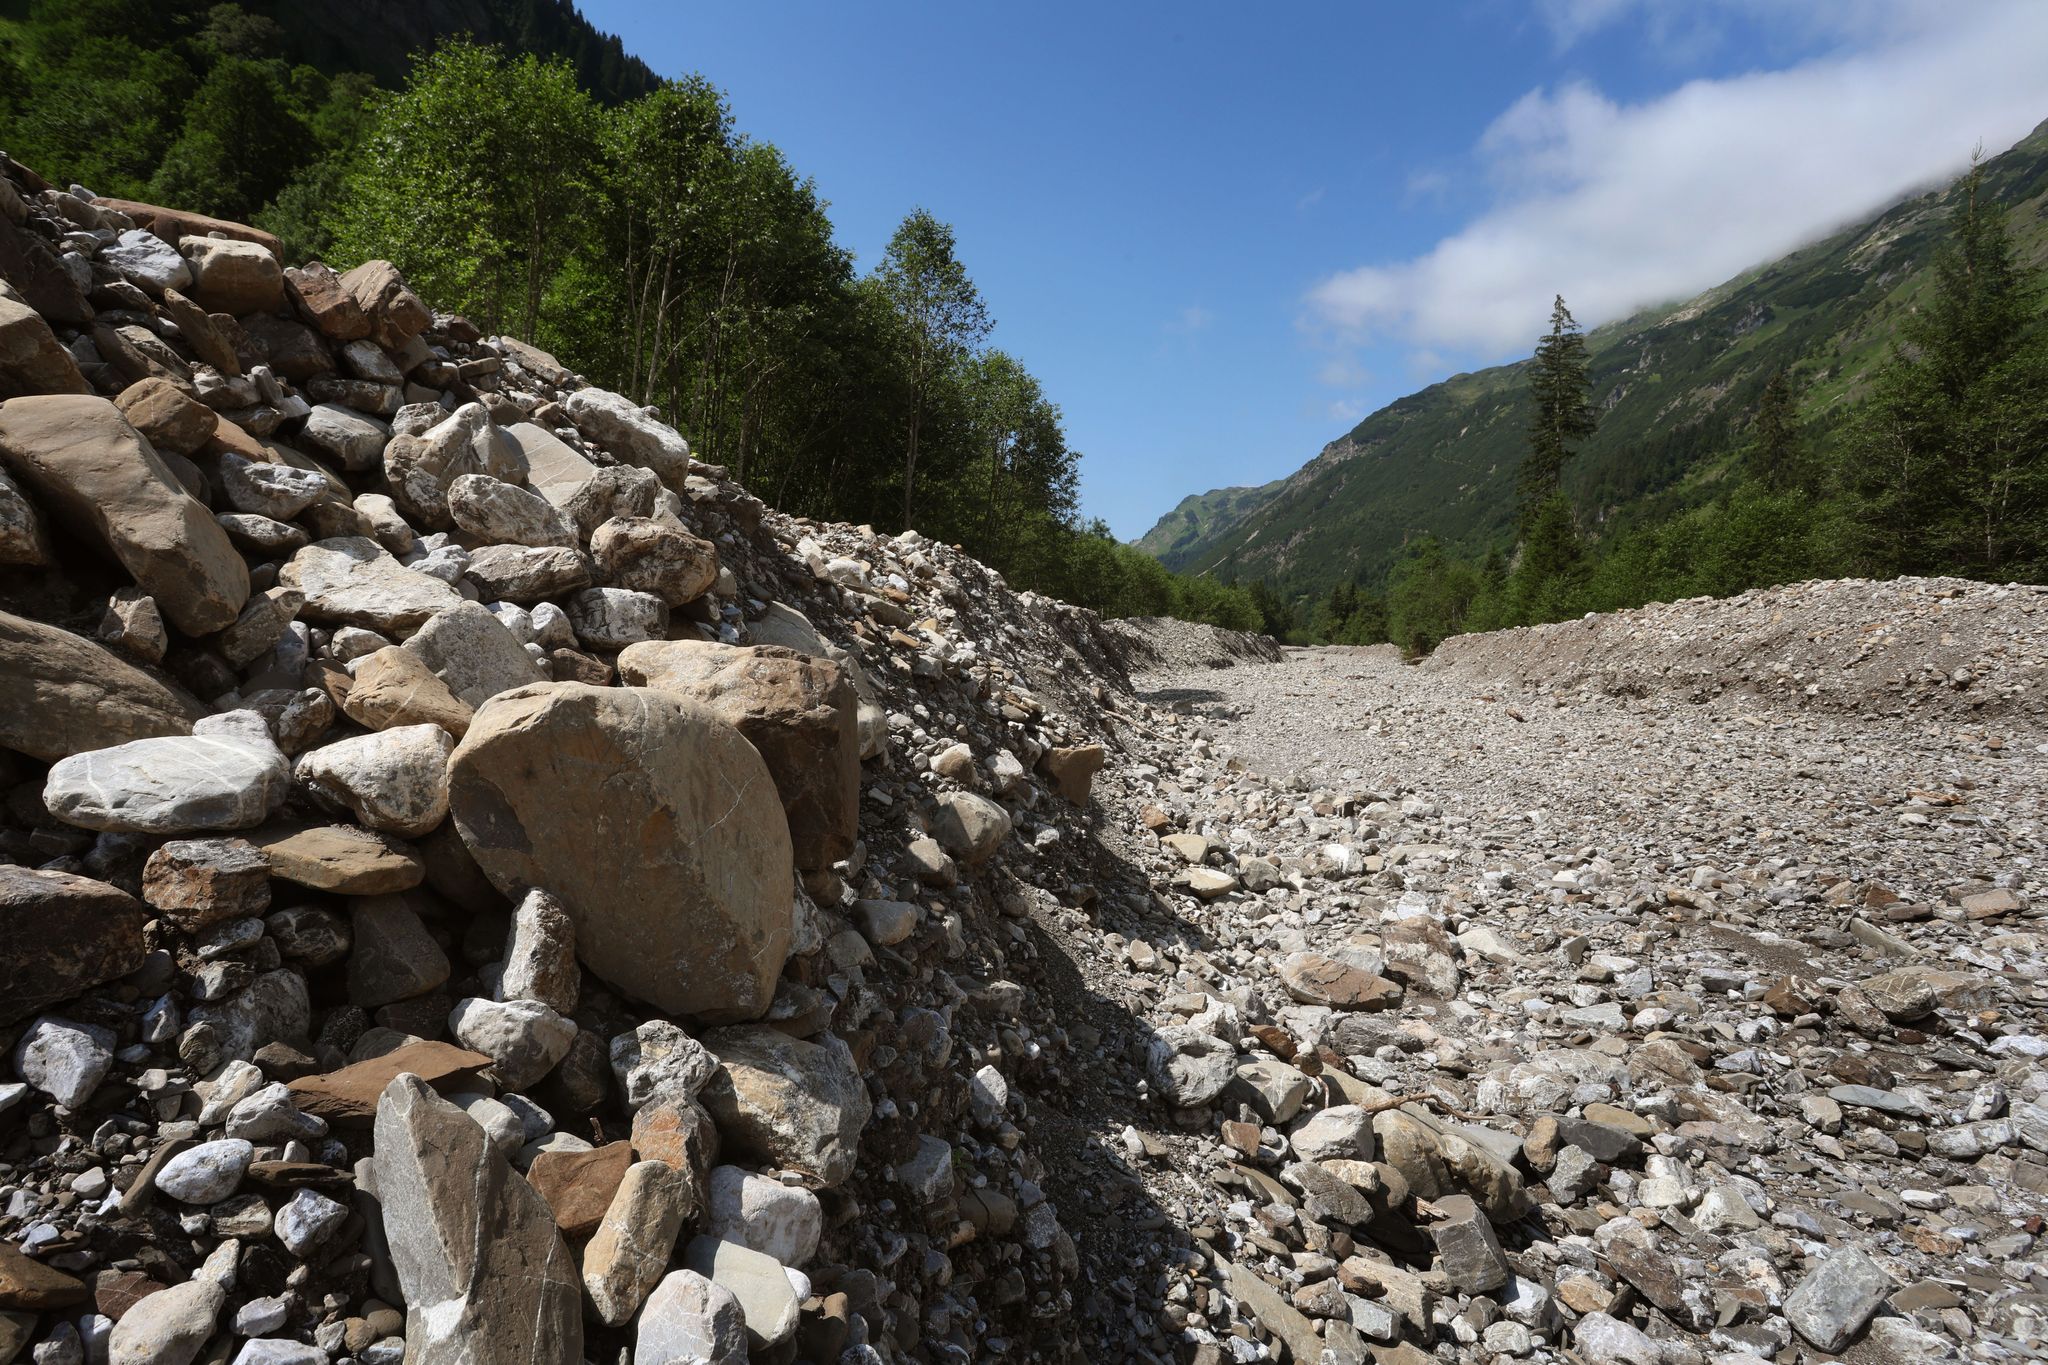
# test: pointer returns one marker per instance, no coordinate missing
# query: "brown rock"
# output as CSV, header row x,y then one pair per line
x,y
677,868
61,935
167,416
394,687
348,1098
291,348
339,858
677,1131
114,1295
396,314
321,300
799,712
1073,770
34,1287
87,467
32,360
62,694
28,263
202,333
653,556
199,882
1318,980
394,957
579,1185
174,225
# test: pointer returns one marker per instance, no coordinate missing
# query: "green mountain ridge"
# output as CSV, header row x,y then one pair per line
x,y
1676,387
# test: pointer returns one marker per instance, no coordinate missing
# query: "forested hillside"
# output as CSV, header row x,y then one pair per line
x,y
1676,391
529,174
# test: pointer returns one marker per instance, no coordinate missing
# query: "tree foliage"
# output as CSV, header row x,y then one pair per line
x,y
1559,381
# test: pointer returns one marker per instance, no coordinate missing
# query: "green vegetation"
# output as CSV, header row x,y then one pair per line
x,y
548,187
1942,469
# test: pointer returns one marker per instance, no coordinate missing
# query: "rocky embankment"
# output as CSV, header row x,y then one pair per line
x,y
476,886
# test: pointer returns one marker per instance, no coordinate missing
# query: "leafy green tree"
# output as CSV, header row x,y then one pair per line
x,y
479,180
1428,595
943,316
241,140
100,90
1560,382
1948,465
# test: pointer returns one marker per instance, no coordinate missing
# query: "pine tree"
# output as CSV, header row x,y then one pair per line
x,y
1560,380
1774,451
1948,466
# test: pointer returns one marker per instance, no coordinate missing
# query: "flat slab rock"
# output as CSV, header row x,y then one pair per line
x,y
348,1098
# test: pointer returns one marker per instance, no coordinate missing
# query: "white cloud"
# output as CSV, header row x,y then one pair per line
x,y
1343,372
1192,319
1620,206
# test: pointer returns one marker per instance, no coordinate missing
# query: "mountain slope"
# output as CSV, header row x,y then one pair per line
x,y
1201,518
380,37
1676,388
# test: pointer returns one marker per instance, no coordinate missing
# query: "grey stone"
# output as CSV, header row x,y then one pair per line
x,y
660,1056
766,1298
484,1272
540,955
1472,1258
765,1215
612,618
779,1099
354,581
1834,1302
208,1173
227,774
471,650
307,1220
690,1320
613,421
64,1059
523,1038
499,513
393,780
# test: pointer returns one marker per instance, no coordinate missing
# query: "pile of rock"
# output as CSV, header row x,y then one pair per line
x,y
474,884
1909,647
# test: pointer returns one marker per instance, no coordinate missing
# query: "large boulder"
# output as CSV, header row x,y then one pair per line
x,y
676,867
485,1272
61,694
474,654
232,277
353,581
396,314
787,1102
616,423
227,774
422,466
87,467
32,360
799,712
650,555
61,935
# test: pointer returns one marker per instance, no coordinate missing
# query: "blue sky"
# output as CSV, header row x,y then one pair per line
x,y
1221,234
